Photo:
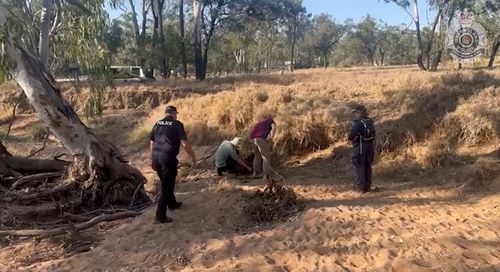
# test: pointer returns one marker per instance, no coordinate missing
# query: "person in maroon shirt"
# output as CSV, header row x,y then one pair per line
x,y
261,135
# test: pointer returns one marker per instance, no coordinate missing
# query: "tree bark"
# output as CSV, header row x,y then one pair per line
x,y
158,41
13,166
198,50
205,61
164,60
382,55
140,35
431,40
268,60
294,41
420,59
107,178
436,60
43,47
155,44
494,51
31,178
183,39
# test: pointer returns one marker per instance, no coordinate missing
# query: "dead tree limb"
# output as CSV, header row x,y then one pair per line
x,y
34,166
75,217
63,230
47,134
27,179
12,118
45,193
208,156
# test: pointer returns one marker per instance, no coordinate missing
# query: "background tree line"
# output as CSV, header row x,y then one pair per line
x,y
253,35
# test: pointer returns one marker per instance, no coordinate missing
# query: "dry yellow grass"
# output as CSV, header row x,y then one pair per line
x,y
312,110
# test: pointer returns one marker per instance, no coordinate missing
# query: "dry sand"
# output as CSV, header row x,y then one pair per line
x,y
421,220
417,222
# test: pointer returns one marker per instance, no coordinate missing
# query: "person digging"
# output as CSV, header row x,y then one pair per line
x,y
261,136
227,158
167,136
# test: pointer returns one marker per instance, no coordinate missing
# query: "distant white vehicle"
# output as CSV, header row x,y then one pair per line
x,y
119,73
127,71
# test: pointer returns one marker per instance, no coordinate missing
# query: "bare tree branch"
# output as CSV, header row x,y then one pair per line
x,y
57,21
79,5
27,179
13,117
47,134
62,230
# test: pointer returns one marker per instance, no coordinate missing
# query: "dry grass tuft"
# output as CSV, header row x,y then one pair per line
x,y
483,174
476,121
438,111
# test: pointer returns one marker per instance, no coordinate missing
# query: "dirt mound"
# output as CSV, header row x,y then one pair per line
x,y
121,96
274,203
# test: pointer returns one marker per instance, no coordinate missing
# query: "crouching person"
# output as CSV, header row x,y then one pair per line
x,y
362,136
227,158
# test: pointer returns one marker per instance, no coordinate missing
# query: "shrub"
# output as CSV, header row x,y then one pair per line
x,y
38,133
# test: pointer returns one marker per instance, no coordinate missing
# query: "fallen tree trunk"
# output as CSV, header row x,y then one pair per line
x,y
105,178
45,193
63,230
15,167
27,179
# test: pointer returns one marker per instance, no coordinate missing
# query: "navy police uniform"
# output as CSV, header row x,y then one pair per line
x,y
166,136
363,152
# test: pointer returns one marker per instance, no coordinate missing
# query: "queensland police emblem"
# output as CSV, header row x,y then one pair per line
x,y
466,39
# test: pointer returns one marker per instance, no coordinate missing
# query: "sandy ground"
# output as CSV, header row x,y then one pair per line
x,y
425,229
419,221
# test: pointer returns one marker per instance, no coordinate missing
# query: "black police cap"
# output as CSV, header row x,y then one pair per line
x,y
170,110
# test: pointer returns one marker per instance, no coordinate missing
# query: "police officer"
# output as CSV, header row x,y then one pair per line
x,y
362,136
166,138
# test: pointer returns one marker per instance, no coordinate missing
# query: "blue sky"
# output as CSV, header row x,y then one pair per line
x,y
356,9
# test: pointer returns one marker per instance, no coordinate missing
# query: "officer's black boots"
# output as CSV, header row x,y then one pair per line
x,y
163,220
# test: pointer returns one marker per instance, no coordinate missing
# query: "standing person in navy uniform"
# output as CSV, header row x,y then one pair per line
x,y
261,136
362,136
166,138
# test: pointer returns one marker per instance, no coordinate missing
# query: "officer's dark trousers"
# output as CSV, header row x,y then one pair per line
x,y
362,160
166,167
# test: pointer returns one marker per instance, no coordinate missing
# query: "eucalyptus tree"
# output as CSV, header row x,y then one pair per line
x,y
368,32
103,175
294,18
406,5
327,34
489,16
182,34
138,29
